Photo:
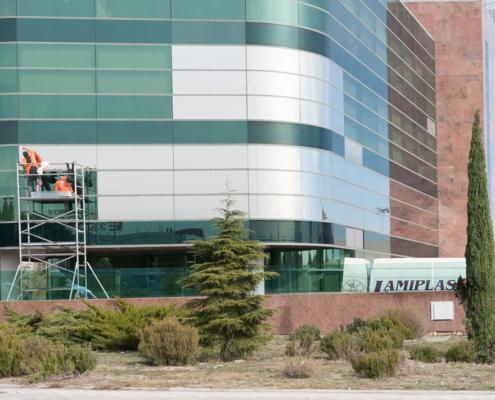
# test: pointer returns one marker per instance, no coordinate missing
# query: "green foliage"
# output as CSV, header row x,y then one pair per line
x,y
298,368
356,325
377,365
410,318
393,323
12,354
337,344
301,341
376,342
464,351
479,297
229,315
426,353
82,357
168,342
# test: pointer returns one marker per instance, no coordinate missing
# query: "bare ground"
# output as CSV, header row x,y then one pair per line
x,y
129,370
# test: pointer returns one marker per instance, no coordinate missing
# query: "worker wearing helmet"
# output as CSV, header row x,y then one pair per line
x,y
63,186
31,162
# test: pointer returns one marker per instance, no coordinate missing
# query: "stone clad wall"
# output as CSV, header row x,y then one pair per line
x,y
326,311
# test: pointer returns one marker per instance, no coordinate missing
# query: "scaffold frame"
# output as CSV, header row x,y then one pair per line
x,y
35,248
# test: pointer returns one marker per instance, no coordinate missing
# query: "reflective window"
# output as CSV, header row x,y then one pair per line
x,y
8,210
8,106
278,182
56,55
8,55
55,30
138,107
7,8
135,182
273,11
8,81
9,131
133,56
208,9
209,57
316,114
206,32
209,82
158,82
273,108
57,106
272,35
56,132
8,184
274,133
135,157
273,59
353,152
159,9
8,30
209,182
210,157
56,81
56,8
146,132
203,207
284,207
209,107
128,208
375,162
132,31
210,132
8,157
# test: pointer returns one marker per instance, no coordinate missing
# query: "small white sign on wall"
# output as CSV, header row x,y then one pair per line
x,y
442,310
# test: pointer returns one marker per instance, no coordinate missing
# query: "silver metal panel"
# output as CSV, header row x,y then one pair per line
x,y
135,182
353,152
85,155
209,82
279,182
210,157
285,207
127,208
273,84
277,157
316,90
210,107
272,59
134,157
316,66
273,108
315,114
209,57
210,182
204,207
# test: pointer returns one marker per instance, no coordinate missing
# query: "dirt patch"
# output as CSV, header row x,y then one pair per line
x,y
118,370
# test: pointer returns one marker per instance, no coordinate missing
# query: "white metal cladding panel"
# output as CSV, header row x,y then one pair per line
x,y
275,157
209,82
84,155
210,182
274,109
210,107
135,157
273,84
272,59
209,57
124,208
203,207
135,182
210,157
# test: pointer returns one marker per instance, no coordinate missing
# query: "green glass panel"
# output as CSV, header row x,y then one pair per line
x,y
8,55
8,106
57,106
208,9
57,132
274,133
55,8
8,186
75,56
272,35
200,32
108,56
56,81
8,157
56,55
314,18
272,11
8,30
55,30
9,131
139,107
159,9
7,209
132,31
157,82
8,81
135,132
210,132
7,8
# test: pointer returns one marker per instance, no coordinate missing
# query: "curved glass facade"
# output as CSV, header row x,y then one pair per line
x,y
321,113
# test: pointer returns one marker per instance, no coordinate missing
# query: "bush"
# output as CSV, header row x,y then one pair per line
x,y
410,318
12,354
377,365
392,323
375,342
298,368
424,352
461,352
82,357
168,342
341,345
301,341
356,325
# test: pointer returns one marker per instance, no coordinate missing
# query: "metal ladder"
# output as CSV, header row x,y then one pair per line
x,y
39,254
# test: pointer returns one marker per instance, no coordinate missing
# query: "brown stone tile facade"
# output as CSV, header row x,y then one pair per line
x,y
326,311
457,29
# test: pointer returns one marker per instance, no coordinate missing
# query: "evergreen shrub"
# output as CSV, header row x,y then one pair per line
x,y
301,341
297,368
410,318
168,342
426,353
340,345
377,365
461,352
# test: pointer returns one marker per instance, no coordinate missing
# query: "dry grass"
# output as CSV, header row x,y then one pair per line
x,y
123,370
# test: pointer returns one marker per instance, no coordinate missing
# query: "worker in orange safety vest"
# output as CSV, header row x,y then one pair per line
x,y
63,186
31,162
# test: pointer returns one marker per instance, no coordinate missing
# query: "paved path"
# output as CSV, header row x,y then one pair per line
x,y
15,393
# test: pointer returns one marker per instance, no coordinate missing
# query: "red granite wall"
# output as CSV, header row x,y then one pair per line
x,y
326,311
457,29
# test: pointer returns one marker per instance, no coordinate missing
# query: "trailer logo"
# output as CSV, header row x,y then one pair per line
x,y
411,285
353,286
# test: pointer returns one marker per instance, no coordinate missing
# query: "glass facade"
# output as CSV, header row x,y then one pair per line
x,y
321,114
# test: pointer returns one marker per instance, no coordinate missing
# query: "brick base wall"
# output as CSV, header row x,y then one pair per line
x,y
326,311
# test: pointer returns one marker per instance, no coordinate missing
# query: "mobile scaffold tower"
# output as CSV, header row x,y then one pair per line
x,y
40,257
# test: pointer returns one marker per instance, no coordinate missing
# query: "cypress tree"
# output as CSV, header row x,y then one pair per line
x,y
229,316
478,293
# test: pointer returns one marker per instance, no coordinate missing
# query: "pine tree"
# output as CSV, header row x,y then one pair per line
x,y
477,294
229,316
